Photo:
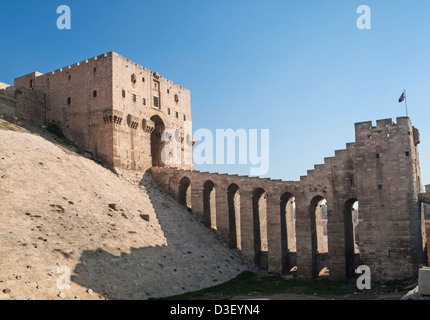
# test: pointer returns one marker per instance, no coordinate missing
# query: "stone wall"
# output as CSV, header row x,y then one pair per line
x,y
7,100
151,104
119,111
235,222
380,171
75,99
391,217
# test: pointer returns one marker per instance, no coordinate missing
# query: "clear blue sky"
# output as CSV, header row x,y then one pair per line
x,y
300,68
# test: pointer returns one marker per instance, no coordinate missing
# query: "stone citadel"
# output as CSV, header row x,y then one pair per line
x,y
108,105
118,111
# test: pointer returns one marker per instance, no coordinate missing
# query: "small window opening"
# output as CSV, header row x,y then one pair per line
x,y
144,101
69,100
177,114
123,93
380,186
378,156
134,98
156,102
168,111
94,93
407,153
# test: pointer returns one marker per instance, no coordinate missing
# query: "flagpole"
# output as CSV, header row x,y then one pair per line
x,y
406,103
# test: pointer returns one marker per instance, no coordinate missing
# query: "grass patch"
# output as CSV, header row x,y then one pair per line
x,y
250,284
4,125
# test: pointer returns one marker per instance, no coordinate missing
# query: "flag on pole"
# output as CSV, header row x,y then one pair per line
x,y
402,97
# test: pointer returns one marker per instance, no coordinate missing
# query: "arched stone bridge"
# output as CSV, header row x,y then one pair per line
x,y
311,224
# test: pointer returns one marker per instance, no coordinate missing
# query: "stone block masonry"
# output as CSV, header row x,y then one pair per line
x,y
109,105
278,225
363,206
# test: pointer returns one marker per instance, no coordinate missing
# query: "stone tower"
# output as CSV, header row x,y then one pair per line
x,y
112,107
388,182
380,171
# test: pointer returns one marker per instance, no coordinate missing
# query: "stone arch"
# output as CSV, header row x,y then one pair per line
x,y
157,144
352,251
318,211
209,204
184,192
259,210
233,200
288,232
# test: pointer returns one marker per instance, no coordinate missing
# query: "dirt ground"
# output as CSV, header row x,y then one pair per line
x,y
72,229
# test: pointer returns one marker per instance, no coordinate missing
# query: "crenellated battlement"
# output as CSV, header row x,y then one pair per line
x,y
94,60
385,128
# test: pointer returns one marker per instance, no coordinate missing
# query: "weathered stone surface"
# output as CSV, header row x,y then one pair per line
x,y
424,197
379,170
108,105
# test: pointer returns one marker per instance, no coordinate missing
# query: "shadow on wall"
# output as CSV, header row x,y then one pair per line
x,y
183,265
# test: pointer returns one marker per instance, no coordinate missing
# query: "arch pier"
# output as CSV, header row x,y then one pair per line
x,y
314,227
